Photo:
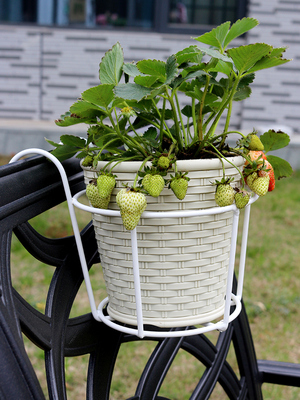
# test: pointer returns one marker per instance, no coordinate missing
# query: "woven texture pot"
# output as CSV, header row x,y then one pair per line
x,y
183,261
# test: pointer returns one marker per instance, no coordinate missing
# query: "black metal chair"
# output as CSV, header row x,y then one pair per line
x,y
30,187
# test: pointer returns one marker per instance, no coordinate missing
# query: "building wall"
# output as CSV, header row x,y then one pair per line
x,y
275,99
43,70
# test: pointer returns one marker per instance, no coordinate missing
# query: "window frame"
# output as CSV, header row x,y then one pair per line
x,y
161,23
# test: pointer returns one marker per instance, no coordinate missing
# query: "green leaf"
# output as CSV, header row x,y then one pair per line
x,y
63,152
223,67
171,69
145,80
240,27
268,62
68,120
131,70
110,71
72,140
282,169
187,111
242,94
216,54
101,95
274,140
54,144
216,36
131,91
153,67
244,57
84,109
278,51
188,54
150,135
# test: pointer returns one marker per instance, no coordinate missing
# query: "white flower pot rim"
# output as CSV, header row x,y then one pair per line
x,y
182,165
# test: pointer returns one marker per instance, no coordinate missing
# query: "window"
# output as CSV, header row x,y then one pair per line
x,y
174,16
197,16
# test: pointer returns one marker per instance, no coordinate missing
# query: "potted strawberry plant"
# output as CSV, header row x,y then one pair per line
x,y
144,151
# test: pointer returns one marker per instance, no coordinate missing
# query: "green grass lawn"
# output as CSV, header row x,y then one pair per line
x,y
271,295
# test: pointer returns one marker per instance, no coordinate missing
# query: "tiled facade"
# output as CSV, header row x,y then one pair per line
x,y
43,70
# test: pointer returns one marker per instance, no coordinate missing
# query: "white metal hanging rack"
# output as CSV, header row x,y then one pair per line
x,y
97,312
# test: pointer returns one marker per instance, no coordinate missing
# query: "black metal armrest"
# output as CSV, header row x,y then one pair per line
x,y
280,373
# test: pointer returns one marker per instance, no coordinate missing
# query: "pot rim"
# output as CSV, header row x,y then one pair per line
x,y
182,165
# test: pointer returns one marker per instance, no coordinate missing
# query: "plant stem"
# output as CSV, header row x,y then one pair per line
x,y
180,117
200,119
222,156
141,167
223,106
194,115
179,138
162,118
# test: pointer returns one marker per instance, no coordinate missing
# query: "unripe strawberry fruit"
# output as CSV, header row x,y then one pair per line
x,y
132,204
95,199
179,187
153,184
105,183
255,142
163,162
241,198
88,161
224,195
260,185
250,179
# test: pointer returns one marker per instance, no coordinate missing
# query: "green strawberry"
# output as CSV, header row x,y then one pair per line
x,y
260,185
105,183
255,142
224,195
153,184
163,162
95,199
251,178
132,204
88,161
179,185
241,198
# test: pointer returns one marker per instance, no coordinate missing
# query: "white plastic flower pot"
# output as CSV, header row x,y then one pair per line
x,y
183,262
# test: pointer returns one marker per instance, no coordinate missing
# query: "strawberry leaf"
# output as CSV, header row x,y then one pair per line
x,y
244,57
85,109
131,91
282,168
63,152
274,140
101,95
154,68
171,69
216,36
240,27
110,71
71,140
187,54
131,70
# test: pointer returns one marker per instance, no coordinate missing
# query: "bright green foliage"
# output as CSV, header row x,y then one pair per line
x,y
131,96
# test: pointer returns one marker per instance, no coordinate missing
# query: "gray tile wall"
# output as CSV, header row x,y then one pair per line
x,y
275,99
44,70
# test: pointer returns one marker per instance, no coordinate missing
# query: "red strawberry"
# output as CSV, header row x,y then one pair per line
x,y
270,171
255,154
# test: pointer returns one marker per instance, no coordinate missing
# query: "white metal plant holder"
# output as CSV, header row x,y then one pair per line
x,y
97,312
